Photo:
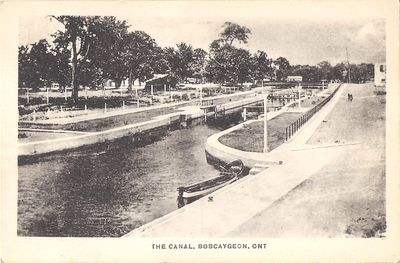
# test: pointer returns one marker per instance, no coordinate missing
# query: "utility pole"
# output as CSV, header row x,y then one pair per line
x,y
299,91
348,63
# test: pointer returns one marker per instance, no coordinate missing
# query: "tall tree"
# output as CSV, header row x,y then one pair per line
x,y
282,67
180,61
107,56
226,62
230,64
199,63
25,67
35,64
262,66
340,71
141,54
78,34
326,70
233,31
60,69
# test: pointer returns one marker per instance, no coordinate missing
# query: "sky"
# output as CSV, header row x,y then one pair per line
x,y
300,41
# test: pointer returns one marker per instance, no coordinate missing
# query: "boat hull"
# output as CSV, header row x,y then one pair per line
x,y
230,173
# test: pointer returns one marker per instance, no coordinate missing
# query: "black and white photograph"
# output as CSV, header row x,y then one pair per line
x,y
206,121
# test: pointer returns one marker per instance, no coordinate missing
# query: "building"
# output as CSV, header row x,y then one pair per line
x,y
160,82
380,74
294,79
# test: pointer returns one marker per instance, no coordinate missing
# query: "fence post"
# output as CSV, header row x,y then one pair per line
x,y
105,106
47,95
286,134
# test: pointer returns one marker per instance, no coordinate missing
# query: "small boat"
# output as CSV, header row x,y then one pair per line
x,y
230,173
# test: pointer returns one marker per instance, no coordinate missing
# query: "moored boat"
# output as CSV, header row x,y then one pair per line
x,y
229,173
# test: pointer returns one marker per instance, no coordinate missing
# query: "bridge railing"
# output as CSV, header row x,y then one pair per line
x,y
297,124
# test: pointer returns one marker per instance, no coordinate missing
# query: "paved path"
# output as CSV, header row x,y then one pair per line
x,y
235,205
346,196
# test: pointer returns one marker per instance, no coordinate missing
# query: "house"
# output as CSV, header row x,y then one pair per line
x,y
294,79
380,74
160,82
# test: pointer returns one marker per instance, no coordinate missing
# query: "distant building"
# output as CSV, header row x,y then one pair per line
x,y
110,84
294,79
160,82
380,74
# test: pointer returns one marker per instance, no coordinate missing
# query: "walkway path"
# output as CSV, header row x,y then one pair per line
x,y
169,107
238,204
347,195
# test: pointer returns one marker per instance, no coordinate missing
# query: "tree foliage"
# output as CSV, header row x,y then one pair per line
x,y
35,64
282,67
78,35
233,31
90,50
262,66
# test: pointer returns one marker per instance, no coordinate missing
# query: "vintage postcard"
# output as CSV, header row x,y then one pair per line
x,y
200,131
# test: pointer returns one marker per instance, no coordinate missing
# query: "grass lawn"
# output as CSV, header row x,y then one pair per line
x,y
251,137
106,123
346,198
103,124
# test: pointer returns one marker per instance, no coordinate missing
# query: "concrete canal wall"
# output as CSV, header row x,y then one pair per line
x,y
242,200
190,115
219,153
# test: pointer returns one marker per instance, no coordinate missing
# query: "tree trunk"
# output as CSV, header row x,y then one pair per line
x,y
74,65
118,82
130,81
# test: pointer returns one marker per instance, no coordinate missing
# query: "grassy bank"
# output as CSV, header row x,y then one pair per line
x,y
251,137
346,198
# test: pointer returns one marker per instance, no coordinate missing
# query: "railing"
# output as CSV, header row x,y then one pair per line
x,y
207,103
297,124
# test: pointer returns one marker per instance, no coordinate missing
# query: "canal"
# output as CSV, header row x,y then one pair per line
x,y
103,191
109,192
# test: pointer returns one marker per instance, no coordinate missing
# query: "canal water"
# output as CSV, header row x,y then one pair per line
x,y
109,192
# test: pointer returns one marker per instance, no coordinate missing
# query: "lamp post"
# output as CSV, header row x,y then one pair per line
x,y
265,150
201,96
27,96
47,95
299,89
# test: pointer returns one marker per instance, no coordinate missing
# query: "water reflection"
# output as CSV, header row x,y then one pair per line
x,y
96,192
109,191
